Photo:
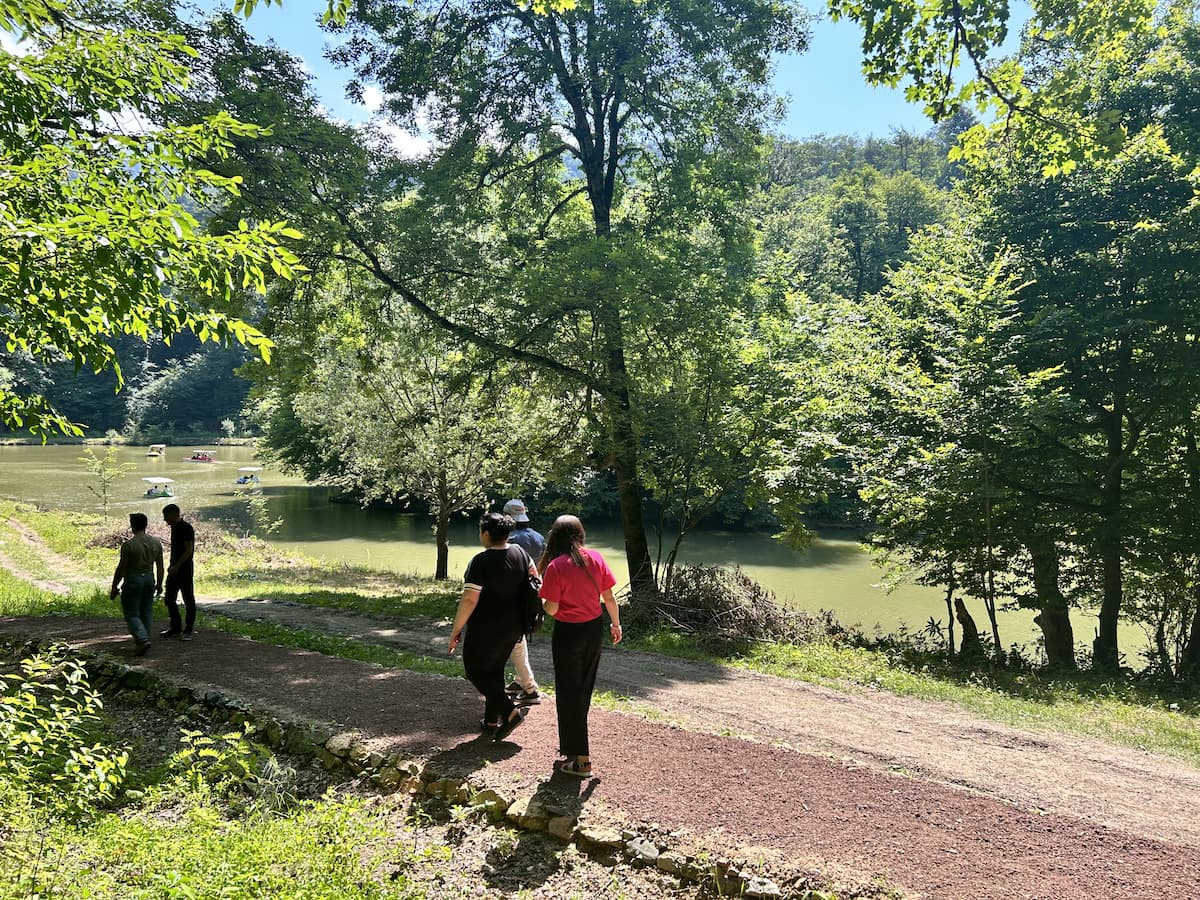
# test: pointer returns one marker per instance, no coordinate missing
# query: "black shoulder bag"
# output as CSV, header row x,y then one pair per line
x,y
532,614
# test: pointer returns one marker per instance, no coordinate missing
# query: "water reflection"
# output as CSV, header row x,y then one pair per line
x,y
834,573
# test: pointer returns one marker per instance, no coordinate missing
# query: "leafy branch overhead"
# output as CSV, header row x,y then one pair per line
x,y
101,230
946,52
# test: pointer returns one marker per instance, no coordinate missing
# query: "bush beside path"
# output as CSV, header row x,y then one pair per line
x,y
723,794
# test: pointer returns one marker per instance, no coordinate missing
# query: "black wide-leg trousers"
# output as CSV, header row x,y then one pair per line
x,y
485,651
576,649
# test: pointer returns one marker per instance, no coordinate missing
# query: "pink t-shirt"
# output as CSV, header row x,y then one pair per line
x,y
576,591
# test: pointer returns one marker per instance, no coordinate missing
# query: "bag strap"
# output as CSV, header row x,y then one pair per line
x,y
529,563
587,570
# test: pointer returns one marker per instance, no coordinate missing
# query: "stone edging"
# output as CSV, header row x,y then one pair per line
x,y
392,773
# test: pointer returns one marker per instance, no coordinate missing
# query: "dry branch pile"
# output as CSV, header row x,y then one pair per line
x,y
726,609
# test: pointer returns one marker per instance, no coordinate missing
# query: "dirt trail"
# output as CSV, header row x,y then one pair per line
x,y
53,561
1101,783
752,800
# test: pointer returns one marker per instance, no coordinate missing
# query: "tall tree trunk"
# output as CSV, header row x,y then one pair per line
x,y
989,600
442,532
950,615
1105,652
629,493
1054,615
623,434
1189,662
971,645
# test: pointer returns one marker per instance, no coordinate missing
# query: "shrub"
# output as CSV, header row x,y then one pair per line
x,y
213,538
232,767
726,609
47,713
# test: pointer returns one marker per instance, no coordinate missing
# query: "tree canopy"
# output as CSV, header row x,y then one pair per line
x,y
101,216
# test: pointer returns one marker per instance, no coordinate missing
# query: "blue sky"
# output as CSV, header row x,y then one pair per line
x,y
824,87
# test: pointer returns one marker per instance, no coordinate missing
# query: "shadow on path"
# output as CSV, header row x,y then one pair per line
x,y
720,793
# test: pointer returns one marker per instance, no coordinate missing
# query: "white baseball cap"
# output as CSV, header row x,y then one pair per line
x,y
516,509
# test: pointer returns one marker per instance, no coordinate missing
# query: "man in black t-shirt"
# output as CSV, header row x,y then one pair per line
x,y
180,574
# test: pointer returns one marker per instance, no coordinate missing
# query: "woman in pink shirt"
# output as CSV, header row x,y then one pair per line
x,y
575,582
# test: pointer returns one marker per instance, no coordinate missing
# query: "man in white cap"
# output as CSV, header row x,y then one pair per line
x,y
524,690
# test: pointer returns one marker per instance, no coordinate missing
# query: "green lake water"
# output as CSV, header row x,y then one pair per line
x,y
835,574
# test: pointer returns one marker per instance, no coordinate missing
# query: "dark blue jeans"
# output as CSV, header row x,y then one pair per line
x,y
137,604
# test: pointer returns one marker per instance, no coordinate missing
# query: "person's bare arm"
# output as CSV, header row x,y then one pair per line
x,y
466,606
118,574
158,572
614,613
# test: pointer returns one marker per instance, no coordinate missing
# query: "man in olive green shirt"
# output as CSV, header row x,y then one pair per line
x,y
141,567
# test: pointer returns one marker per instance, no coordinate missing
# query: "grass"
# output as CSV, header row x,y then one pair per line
x,y
20,598
1123,711
17,549
1111,709
248,567
216,818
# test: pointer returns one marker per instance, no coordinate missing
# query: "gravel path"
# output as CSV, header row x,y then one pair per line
x,y
730,795
1101,783
908,768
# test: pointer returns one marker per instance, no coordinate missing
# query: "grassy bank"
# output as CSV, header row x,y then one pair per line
x,y
1122,710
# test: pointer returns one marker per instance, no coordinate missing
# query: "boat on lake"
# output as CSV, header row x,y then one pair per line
x,y
156,450
159,486
249,474
202,456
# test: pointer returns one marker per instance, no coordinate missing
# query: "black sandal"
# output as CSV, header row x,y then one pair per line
x,y
485,725
510,724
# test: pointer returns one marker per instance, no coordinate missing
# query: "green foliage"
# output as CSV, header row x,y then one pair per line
x,y
332,849
587,242
104,470
945,49
259,512
116,248
227,764
193,394
46,712
412,417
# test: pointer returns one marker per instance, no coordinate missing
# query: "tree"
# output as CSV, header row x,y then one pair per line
x,y
105,470
611,139
1110,252
945,49
1099,338
98,223
950,423
414,422
196,395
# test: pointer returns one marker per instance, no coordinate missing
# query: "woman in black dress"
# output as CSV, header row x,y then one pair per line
x,y
490,615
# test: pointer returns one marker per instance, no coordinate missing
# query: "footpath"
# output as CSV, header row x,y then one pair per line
x,y
849,819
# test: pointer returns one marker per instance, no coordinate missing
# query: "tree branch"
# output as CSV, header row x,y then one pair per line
x,y
375,266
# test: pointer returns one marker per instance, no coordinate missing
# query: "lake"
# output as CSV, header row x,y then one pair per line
x,y
833,573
